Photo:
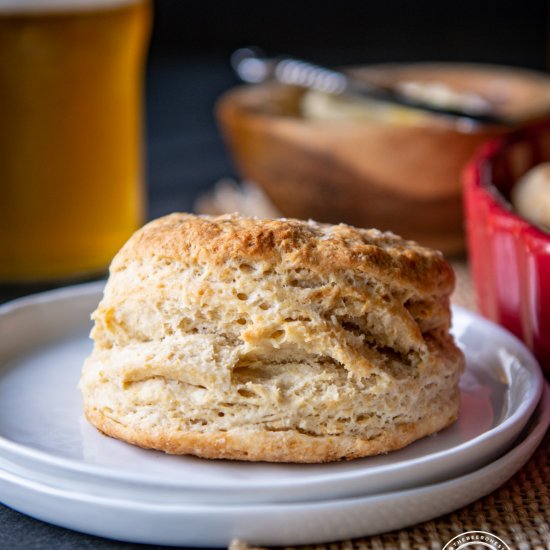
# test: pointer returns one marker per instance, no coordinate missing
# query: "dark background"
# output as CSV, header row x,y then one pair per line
x,y
192,41
340,31
188,69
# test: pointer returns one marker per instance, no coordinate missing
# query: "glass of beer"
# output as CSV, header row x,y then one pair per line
x,y
71,87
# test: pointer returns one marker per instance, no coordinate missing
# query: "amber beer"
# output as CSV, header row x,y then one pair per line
x,y
71,190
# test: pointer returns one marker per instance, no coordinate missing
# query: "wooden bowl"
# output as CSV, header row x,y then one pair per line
x,y
371,173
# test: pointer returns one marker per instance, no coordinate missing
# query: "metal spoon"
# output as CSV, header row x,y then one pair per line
x,y
253,67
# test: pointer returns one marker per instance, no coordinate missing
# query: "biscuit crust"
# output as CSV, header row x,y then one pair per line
x,y
289,446
277,340
323,248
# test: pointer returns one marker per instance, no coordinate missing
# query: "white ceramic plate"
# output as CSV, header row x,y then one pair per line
x,y
196,525
44,438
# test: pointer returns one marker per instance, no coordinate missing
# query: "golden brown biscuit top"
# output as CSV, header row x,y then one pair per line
x,y
325,249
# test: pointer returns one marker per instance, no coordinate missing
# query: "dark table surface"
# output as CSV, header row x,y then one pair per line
x,y
185,156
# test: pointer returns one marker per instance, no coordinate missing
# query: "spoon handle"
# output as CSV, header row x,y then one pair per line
x,y
251,66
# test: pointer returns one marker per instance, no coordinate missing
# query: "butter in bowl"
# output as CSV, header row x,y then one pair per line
x,y
373,163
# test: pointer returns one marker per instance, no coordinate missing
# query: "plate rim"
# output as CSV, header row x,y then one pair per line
x,y
535,429
521,414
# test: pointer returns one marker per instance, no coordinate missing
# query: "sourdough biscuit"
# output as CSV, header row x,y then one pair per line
x,y
276,340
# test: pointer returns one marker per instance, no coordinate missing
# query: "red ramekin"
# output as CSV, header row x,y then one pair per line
x,y
509,256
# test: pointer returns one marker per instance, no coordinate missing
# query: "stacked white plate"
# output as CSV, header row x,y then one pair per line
x,y
56,467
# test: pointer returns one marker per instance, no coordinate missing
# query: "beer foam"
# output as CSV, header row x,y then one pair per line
x,y
66,6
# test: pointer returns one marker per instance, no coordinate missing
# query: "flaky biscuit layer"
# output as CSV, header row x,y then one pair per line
x,y
274,340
